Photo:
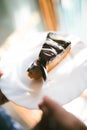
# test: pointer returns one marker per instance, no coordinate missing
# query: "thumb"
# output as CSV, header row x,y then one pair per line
x,y
49,105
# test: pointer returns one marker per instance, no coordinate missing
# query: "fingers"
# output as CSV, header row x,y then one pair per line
x,y
56,118
60,117
3,99
1,73
55,111
48,105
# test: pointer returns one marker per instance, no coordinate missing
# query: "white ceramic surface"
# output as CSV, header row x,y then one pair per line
x,y
65,82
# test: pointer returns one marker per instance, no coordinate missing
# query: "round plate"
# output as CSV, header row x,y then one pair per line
x,y
65,82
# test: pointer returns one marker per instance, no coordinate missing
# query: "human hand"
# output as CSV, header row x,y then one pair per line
x,y
57,118
3,99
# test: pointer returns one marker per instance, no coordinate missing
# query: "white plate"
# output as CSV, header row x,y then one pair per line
x,y
65,82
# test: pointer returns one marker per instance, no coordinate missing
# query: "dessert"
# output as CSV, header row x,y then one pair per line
x,y
53,51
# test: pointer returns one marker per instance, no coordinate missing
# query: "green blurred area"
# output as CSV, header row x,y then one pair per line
x,y
15,14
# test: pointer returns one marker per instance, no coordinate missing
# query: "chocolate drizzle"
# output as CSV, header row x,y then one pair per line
x,y
50,49
37,68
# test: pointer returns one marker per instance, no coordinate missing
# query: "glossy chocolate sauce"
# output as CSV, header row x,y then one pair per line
x,y
50,49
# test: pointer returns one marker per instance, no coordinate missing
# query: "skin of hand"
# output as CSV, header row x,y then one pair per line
x,y
56,117
3,99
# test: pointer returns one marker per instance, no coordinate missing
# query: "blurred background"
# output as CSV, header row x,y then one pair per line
x,y
43,15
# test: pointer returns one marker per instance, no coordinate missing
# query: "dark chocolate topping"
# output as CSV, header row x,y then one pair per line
x,y
37,66
50,49
48,52
43,69
44,72
33,66
54,37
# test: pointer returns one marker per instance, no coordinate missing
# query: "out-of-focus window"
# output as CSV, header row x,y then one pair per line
x,y
35,15
68,16
16,14
72,16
